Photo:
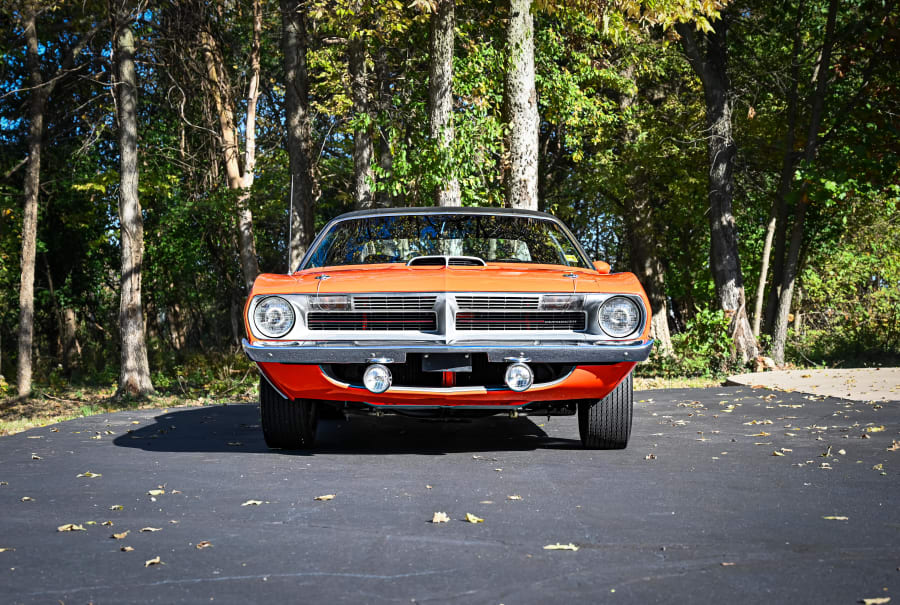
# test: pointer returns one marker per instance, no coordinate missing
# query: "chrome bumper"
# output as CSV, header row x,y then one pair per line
x,y
347,352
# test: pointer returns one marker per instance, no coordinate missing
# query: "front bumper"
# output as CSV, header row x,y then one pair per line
x,y
363,352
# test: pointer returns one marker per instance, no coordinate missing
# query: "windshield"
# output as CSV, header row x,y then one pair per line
x,y
400,238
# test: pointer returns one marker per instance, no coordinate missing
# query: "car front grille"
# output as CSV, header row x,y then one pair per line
x,y
520,321
514,303
386,303
422,322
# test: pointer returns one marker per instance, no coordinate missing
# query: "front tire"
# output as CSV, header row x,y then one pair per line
x,y
605,424
288,424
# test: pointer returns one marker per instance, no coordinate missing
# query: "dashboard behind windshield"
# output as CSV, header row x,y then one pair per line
x,y
400,238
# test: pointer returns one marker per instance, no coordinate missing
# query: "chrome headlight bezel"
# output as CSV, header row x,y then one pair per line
x,y
633,311
285,323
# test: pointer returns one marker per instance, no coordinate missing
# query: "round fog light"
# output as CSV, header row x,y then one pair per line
x,y
377,378
519,377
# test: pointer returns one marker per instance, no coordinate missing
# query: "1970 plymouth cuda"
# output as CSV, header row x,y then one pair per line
x,y
447,311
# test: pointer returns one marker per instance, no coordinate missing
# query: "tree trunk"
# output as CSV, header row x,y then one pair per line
x,y
712,67
294,43
645,263
384,197
134,375
521,109
440,98
778,212
29,221
363,176
71,348
792,263
238,180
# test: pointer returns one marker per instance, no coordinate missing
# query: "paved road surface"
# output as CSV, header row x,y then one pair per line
x,y
697,509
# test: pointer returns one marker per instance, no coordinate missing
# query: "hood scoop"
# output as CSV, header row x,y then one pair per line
x,y
446,261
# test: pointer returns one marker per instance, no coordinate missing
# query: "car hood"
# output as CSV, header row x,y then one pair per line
x,y
401,278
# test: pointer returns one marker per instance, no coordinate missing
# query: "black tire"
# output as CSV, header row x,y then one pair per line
x,y
605,424
288,424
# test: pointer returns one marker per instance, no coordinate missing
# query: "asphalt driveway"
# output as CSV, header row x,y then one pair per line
x,y
731,494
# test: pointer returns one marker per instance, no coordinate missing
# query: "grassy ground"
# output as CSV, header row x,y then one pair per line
x,y
50,406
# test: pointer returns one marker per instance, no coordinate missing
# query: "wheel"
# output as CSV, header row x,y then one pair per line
x,y
288,424
605,424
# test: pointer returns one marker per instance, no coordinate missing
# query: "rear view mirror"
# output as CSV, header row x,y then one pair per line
x,y
601,267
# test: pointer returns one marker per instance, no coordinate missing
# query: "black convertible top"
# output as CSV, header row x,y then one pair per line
x,y
445,210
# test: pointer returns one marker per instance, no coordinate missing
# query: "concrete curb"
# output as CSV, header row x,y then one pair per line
x,y
862,384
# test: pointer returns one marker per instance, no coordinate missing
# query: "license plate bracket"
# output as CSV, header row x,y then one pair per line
x,y
447,362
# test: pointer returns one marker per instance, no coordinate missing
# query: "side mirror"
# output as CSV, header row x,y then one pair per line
x,y
601,267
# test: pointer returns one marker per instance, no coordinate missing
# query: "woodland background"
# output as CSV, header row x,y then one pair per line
x,y
741,158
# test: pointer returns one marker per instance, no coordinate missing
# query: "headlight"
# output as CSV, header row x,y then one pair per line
x,y
273,316
619,316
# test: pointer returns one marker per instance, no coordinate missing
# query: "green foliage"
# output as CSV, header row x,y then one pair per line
x,y
703,349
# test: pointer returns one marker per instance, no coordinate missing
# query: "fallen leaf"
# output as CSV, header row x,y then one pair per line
x,y
36,457
7,549
116,507
760,434
107,523
89,475
726,564
252,503
498,470
27,499
486,502
559,546
135,422
777,453
427,487
2,483
126,549
895,447
154,561
514,497
120,536
70,527
440,518
878,467
842,452
835,518
156,492
876,601
650,457
473,519
151,529
203,544
874,429
324,498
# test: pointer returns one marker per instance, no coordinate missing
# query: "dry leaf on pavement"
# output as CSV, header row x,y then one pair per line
x,y
156,492
559,546
70,527
151,529
252,503
835,518
514,497
203,544
440,518
875,601
127,548
154,561
89,475
120,536
473,519
324,498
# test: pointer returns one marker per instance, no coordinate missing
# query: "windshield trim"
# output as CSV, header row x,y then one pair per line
x,y
350,216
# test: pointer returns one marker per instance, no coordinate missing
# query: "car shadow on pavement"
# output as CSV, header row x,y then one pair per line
x,y
235,428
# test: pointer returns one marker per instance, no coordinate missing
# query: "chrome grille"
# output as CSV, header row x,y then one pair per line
x,y
498,302
520,321
422,322
387,303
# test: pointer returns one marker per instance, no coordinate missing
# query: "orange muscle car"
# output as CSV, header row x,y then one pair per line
x,y
447,311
